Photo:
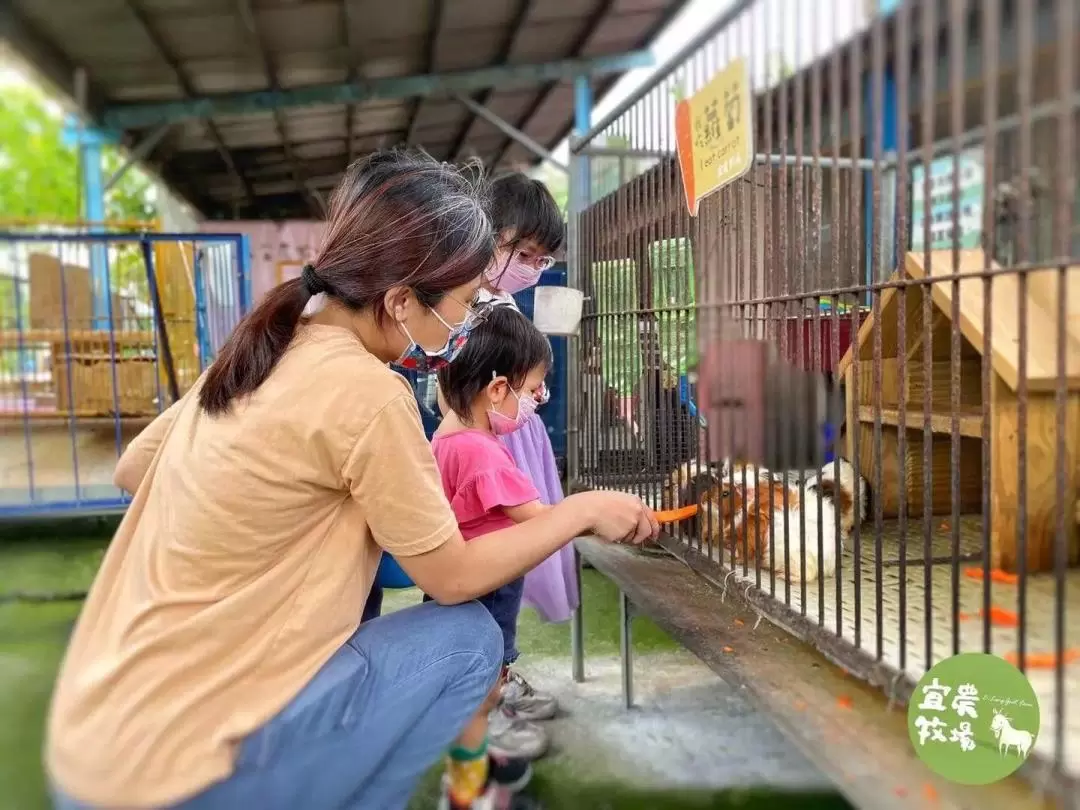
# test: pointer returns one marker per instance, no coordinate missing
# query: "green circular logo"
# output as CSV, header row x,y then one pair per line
x,y
973,718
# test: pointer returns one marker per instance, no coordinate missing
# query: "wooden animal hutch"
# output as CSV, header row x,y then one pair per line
x,y
866,405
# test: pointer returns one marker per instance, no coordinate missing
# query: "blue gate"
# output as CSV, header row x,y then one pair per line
x,y
98,334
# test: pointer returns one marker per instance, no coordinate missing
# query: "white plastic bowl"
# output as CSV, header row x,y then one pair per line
x,y
557,310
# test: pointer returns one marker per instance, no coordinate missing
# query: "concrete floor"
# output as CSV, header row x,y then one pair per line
x,y
688,729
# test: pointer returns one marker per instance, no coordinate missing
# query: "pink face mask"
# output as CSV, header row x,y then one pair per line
x,y
501,424
511,274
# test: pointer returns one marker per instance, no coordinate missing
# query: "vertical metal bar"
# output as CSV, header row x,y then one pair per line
x,y
577,626
785,216
73,417
799,211
159,318
990,33
626,648
578,197
202,319
1024,90
957,43
855,96
835,76
903,242
876,227
817,362
772,257
1064,192
756,264
929,54
24,388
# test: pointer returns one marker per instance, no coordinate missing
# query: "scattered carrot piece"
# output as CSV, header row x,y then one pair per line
x,y
676,515
729,649
1001,617
900,791
996,575
739,622
1043,660
930,793
944,527
964,617
845,702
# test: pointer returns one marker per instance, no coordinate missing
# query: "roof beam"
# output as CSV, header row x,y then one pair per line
x,y
505,49
351,74
594,21
511,132
135,115
47,59
435,18
247,16
135,6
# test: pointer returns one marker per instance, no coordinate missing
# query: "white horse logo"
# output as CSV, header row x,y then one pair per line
x,y
1007,736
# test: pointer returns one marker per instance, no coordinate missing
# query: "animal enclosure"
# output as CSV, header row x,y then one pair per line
x,y
98,334
909,227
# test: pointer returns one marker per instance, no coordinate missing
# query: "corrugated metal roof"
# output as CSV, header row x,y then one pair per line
x,y
277,164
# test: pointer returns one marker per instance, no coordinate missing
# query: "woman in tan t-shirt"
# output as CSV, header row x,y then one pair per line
x,y
219,660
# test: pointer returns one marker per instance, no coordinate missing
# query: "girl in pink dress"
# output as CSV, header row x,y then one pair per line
x,y
491,392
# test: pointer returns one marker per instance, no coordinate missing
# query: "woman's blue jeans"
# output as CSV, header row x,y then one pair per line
x,y
373,720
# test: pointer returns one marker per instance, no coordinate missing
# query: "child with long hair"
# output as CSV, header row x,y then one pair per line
x,y
490,392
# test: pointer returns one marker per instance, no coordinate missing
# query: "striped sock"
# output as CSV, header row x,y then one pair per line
x,y
468,773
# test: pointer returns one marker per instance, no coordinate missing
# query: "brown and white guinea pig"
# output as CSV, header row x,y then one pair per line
x,y
744,508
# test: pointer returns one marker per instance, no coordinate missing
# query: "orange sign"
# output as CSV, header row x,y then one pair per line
x,y
714,133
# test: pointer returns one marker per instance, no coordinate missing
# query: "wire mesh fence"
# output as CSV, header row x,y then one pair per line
x,y
100,332
909,228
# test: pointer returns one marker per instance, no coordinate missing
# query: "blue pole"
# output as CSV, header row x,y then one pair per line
x,y
89,142
889,115
94,206
583,104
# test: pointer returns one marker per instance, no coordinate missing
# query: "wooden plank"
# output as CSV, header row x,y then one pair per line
x,y
1004,338
842,725
10,338
1042,446
849,414
915,419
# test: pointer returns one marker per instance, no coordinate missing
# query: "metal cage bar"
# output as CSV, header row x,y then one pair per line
x,y
910,229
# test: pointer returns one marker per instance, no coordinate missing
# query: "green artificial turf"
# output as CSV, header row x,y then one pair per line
x,y
52,558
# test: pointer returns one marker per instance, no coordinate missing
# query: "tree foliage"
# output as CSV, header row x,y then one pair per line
x,y
39,174
40,184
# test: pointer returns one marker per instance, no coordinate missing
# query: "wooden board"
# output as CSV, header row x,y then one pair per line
x,y
1042,315
842,725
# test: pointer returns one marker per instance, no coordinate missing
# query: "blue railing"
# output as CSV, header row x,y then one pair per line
x,y
76,387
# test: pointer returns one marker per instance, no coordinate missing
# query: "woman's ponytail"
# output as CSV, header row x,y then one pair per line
x,y
254,347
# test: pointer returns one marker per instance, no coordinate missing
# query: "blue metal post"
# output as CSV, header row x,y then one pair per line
x,y
244,249
889,106
89,142
583,104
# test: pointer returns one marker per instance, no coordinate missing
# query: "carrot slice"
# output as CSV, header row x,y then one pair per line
x,y
1001,617
676,515
1044,660
996,575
